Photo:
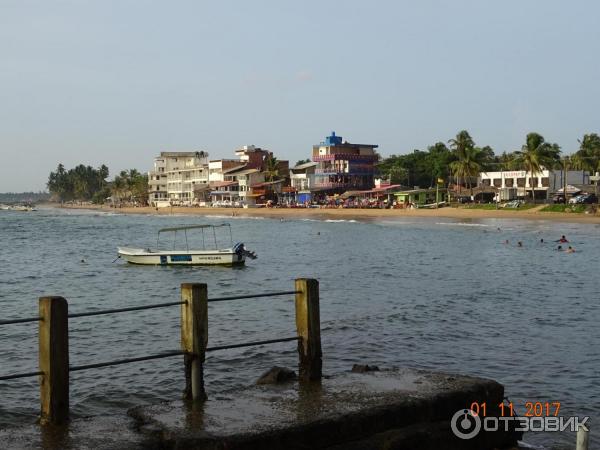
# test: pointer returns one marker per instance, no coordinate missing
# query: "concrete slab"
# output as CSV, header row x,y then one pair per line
x,y
396,409
94,433
351,408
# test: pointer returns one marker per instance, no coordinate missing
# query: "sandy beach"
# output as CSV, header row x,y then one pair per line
x,y
339,213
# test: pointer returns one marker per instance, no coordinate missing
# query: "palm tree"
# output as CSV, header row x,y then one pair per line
x,y
588,155
460,145
537,155
473,161
271,167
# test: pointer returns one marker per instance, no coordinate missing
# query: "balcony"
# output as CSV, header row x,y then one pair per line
x,y
330,185
344,157
329,171
362,169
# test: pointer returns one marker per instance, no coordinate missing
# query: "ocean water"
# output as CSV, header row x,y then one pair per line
x,y
429,293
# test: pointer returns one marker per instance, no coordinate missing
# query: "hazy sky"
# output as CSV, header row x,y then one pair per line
x,y
117,82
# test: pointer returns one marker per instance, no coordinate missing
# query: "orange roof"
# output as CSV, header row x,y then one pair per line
x,y
215,184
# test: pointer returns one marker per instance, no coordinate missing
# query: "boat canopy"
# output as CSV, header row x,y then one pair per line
x,y
184,228
191,227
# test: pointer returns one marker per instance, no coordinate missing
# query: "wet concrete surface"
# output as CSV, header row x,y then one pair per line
x,y
385,409
97,433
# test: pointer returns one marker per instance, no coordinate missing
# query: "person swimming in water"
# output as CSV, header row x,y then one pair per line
x,y
519,244
559,248
570,250
563,239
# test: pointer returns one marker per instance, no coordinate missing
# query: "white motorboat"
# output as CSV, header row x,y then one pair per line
x,y
21,208
234,255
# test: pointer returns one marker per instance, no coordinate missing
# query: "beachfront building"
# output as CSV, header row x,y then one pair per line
x,y
252,157
237,182
544,184
175,177
302,181
420,196
189,178
266,191
245,179
224,187
343,166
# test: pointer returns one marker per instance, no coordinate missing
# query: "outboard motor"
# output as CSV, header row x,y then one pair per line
x,y
241,250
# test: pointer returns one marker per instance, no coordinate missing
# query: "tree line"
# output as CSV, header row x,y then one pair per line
x,y
85,183
460,160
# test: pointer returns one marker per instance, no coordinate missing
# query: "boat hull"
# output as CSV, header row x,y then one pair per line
x,y
226,257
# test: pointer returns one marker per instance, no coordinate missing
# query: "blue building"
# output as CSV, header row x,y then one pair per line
x,y
343,166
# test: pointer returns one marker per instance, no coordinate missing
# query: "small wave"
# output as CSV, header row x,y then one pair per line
x,y
460,224
230,217
326,220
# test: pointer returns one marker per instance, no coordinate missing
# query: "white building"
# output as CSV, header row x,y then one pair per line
x,y
544,183
175,177
218,167
186,178
302,180
247,178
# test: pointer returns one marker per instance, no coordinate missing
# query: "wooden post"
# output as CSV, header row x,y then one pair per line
x,y
308,325
54,360
583,437
194,337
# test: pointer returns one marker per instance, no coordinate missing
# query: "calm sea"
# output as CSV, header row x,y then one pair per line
x,y
437,294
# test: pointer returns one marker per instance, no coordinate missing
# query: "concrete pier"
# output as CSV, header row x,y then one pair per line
x,y
395,409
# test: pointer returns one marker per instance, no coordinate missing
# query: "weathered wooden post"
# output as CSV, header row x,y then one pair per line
x,y
308,325
54,360
583,437
194,336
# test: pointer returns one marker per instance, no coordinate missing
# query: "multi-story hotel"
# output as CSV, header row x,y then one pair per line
x,y
344,166
176,176
186,178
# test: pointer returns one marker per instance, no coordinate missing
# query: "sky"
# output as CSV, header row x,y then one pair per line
x,y
116,82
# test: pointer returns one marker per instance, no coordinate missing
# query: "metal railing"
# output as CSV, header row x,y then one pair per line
x,y
54,342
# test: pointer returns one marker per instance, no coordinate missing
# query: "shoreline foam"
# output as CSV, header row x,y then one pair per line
x,y
350,214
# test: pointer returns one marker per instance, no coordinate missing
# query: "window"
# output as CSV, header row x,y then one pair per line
x,y
520,182
533,182
545,182
485,182
509,182
497,182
